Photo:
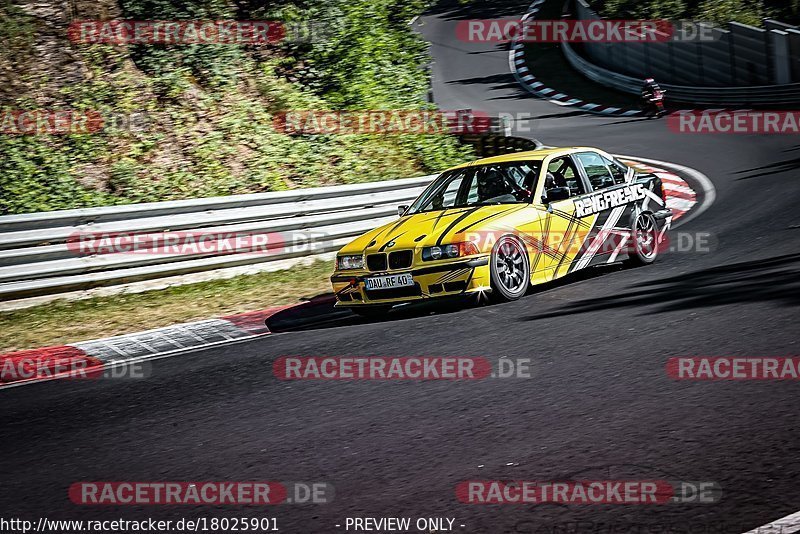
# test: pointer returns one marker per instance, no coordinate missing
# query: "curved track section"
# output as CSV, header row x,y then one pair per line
x,y
517,65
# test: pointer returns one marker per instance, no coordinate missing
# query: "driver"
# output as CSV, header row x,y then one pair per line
x,y
650,88
493,186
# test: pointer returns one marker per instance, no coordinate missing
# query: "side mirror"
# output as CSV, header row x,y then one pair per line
x,y
555,194
401,210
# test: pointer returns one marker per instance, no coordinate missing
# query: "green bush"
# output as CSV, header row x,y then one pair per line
x,y
210,111
720,11
643,9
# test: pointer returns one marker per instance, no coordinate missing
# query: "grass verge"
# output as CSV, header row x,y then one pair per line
x,y
62,322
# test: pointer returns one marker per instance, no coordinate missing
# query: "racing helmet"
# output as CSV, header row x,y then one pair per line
x,y
491,184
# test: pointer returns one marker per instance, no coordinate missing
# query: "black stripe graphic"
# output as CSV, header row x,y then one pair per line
x,y
454,223
508,211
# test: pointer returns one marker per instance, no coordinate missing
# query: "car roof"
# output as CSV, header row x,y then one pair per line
x,y
535,155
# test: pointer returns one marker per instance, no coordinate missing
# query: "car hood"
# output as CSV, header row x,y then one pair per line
x,y
430,228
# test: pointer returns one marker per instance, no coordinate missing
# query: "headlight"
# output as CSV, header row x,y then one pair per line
x,y
454,250
345,263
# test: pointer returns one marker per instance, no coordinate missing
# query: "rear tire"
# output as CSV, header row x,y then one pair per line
x,y
644,235
509,269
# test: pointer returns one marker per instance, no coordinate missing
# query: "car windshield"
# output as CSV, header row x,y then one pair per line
x,y
480,185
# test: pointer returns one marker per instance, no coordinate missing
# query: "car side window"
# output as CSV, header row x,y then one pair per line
x,y
565,175
447,197
597,172
451,191
618,170
518,174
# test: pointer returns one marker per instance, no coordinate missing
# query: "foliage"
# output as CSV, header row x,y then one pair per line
x,y
645,9
750,12
208,110
64,321
720,11
16,28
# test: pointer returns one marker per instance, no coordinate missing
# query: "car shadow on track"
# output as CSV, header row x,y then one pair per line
x,y
565,115
775,279
497,81
778,167
319,312
645,119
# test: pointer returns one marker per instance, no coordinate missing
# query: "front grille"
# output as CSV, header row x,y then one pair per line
x,y
395,292
376,262
401,259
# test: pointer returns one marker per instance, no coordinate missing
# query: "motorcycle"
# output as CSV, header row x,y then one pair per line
x,y
654,104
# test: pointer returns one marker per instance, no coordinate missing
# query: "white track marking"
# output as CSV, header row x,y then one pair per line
x,y
129,361
679,189
784,525
681,204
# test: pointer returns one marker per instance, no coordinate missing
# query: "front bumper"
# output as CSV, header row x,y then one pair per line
x,y
442,279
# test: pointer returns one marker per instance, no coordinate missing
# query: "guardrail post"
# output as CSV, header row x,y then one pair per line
x,y
781,65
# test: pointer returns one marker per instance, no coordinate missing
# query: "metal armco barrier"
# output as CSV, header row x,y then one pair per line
x,y
768,95
703,73
35,258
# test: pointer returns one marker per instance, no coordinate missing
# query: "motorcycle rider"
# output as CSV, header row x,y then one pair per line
x,y
653,97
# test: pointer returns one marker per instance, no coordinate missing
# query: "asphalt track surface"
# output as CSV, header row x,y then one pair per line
x,y
599,404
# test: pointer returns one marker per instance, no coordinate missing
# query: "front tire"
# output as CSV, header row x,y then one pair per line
x,y
645,240
509,269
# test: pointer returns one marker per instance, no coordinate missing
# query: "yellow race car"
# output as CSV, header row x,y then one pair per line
x,y
499,225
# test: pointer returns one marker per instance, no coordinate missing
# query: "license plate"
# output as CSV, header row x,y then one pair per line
x,y
388,282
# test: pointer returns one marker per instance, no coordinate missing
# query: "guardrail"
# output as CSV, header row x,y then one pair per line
x,y
776,95
39,254
37,257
